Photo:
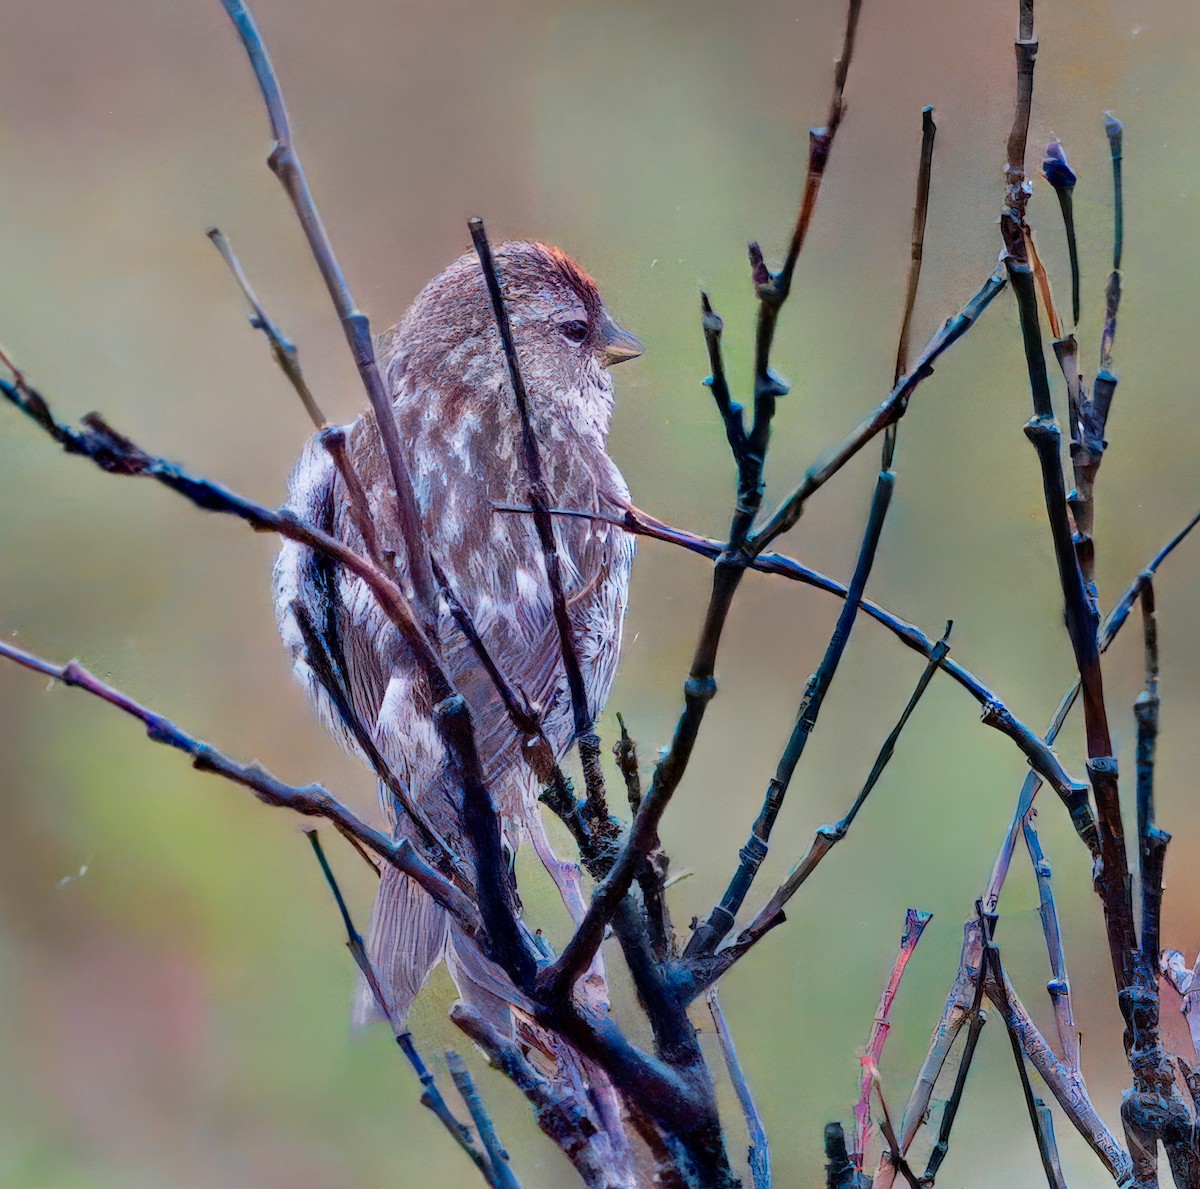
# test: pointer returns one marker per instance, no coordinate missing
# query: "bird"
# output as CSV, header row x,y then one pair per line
x,y
445,373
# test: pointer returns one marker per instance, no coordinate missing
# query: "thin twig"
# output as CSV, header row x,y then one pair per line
x,y
772,289
1065,1084
950,1110
1059,985
920,216
333,682
1152,842
502,1175
892,1156
707,970
625,753
282,348
431,1096
538,492
1082,615
759,1154
1112,295
890,410
1058,172
1045,289
287,356
962,1006
717,382
1038,1115
567,1116
334,439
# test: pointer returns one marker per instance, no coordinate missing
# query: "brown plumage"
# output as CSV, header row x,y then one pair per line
x,y
444,367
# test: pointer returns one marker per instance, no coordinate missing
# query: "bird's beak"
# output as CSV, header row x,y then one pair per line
x,y
618,344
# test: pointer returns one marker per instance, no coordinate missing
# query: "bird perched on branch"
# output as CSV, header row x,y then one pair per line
x,y
445,371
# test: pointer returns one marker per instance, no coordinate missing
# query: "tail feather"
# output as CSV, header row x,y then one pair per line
x,y
407,938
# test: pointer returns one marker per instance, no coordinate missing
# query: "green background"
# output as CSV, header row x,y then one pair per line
x,y
175,1014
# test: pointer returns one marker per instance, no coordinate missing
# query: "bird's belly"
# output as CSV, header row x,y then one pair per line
x,y
522,638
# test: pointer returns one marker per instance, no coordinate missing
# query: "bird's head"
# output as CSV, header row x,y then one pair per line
x,y
566,337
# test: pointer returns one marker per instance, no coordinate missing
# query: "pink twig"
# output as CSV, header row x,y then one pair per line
x,y
914,925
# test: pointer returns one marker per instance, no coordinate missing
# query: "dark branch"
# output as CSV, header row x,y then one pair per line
x,y
1058,172
772,914
713,931
1152,842
538,492
1039,1116
1082,615
331,675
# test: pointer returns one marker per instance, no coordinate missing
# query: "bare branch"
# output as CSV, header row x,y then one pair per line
x,y
311,799
1152,842
759,1151
1059,985
914,925
1082,614
890,410
1039,1116
950,1110
501,1175
1112,296
713,931
330,673
282,348
1066,1085
1058,172
538,492
567,1118
705,970
285,164
920,215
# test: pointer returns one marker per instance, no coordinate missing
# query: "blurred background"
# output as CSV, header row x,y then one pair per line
x,y
173,983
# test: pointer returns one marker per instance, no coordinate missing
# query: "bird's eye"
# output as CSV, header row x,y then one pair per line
x,y
575,331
